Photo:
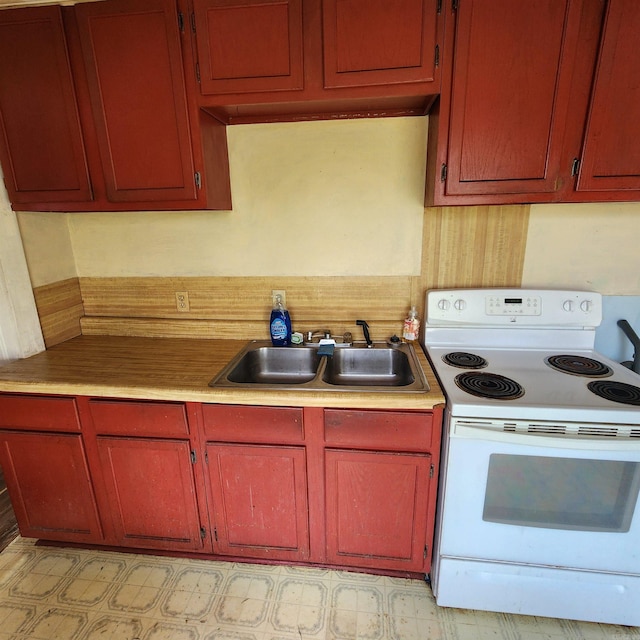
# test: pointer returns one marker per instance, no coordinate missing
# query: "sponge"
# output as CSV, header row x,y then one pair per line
x,y
326,349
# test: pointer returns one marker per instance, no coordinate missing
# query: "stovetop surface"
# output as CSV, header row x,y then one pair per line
x,y
548,394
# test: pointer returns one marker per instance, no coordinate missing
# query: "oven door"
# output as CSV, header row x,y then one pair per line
x,y
543,500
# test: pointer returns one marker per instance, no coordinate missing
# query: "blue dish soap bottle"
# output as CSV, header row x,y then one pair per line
x,y
280,325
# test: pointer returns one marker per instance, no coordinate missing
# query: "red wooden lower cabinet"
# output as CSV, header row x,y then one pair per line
x,y
49,485
344,487
151,492
258,498
377,506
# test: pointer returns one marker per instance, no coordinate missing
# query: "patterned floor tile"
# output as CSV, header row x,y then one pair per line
x,y
300,606
57,623
15,617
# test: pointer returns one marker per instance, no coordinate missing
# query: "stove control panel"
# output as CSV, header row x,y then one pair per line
x,y
519,307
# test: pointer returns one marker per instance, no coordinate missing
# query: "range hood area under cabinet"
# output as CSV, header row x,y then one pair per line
x,y
282,60
540,103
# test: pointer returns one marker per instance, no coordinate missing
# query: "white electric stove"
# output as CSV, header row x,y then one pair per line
x,y
538,507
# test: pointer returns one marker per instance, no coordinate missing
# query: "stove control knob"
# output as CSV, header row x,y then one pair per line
x,y
443,304
460,304
568,305
586,305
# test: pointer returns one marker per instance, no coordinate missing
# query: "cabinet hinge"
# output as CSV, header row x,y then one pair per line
x,y
215,534
432,471
439,7
426,551
198,72
181,21
193,22
454,5
206,457
193,457
443,172
437,56
198,178
203,533
575,167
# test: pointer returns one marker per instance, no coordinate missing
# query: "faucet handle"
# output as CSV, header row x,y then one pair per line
x,y
365,329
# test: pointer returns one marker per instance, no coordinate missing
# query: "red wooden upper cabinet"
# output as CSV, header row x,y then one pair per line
x,y
379,42
249,45
133,59
611,152
504,108
41,145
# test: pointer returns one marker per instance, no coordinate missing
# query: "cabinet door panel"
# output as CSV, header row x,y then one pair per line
x,y
133,59
377,505
510,88
249,45
152,492
260,500
611,155
41,145
376,42
49,486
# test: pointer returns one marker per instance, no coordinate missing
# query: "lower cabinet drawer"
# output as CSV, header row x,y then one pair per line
x,y
38,413
129,418
271,425
384,430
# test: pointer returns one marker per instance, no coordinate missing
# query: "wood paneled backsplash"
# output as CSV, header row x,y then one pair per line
x,y
462,247
59,308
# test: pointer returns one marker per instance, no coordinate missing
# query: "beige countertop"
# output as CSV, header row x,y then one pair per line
x,y
177,369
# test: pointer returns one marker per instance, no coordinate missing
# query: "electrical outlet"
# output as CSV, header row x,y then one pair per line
x,y
283,297
182,301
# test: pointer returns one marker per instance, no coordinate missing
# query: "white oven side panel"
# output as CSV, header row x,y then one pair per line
x,y
463,533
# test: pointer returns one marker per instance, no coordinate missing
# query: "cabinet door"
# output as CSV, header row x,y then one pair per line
x,y
49,485
133,59
377,506
249,45
151,492
509,98
41,144
611,153
259,500
377,42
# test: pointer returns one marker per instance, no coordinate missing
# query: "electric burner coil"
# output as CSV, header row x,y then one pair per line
x,y
489,385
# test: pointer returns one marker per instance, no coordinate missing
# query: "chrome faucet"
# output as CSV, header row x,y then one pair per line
x,y
365,329
325,334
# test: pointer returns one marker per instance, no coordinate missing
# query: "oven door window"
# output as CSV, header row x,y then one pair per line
x,y
561,493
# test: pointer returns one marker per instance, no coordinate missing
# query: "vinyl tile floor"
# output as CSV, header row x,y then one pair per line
x,y
51,593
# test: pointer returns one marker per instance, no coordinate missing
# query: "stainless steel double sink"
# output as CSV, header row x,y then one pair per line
x,y
355,368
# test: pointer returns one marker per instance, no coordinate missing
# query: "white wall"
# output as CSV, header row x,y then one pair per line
x,y
310,198
20,333
590,246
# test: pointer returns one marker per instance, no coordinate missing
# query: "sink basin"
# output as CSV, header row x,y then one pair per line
x,y
356,368
276,365
384,367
